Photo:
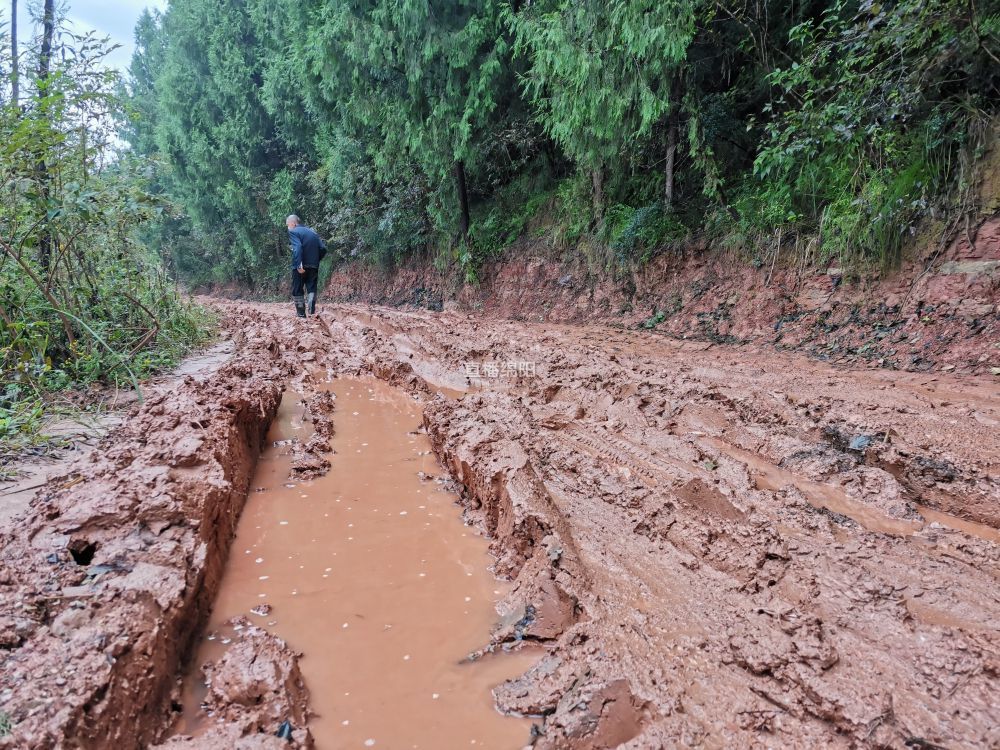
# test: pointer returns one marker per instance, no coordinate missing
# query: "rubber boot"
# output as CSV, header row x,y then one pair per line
x,y
300,306
311,303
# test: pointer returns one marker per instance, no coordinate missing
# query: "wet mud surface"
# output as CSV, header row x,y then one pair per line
x,y
368,572
77,437
710,545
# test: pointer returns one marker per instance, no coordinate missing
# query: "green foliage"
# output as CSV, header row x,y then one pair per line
x,y
210,126
654,320
870,117
600,71
638,233
573,213
504,220
834,124
81,298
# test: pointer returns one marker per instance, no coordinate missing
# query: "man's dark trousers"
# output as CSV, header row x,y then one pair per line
x,y
305,283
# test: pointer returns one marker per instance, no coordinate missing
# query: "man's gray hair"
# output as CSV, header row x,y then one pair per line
x,y
293,219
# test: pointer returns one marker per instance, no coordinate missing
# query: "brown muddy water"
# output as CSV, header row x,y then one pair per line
x,y
371,574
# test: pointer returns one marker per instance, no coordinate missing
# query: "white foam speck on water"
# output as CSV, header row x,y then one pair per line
x,y
435,696
369,742
263,578
259,560
402,512
283,523
345,722
406,658
344,626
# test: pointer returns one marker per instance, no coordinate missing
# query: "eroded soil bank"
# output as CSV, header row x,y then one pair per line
x,y
369,573
937,312
715,545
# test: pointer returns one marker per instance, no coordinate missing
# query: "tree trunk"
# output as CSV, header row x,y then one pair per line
x,y
48,31
44,65
463,198
14,67
668,170
597,178
673,120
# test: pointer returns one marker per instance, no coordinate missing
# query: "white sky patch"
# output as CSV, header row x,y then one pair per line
x,y
115,20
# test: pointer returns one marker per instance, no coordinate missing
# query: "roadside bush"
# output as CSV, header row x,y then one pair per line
x,y
82,299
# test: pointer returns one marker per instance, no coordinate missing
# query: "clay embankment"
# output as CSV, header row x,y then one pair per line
x,y
939,311
107,578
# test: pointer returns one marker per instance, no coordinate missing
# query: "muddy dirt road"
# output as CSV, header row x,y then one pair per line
x,y
715,546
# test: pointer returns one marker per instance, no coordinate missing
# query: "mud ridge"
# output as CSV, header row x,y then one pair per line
x,y
716,552
109,577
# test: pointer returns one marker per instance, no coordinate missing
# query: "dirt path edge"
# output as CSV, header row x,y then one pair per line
x,y
96,613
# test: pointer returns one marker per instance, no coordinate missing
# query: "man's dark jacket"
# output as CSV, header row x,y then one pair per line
x,y
306,245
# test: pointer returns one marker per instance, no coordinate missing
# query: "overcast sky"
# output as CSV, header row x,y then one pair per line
x,y
112,18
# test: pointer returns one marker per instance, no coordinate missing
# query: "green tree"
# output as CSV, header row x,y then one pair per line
x,y
421,83
213,132
80,298
603,73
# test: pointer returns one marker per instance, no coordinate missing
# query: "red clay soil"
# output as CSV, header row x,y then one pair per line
x,y
255,687
937,312
716,545
107,579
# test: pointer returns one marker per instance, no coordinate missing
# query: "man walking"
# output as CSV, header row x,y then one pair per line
x,y
307,251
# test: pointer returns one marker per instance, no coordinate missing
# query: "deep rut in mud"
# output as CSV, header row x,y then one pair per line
x,y
370,574
713,546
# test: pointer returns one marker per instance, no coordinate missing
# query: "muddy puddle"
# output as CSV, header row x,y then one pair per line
x,y
370,573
